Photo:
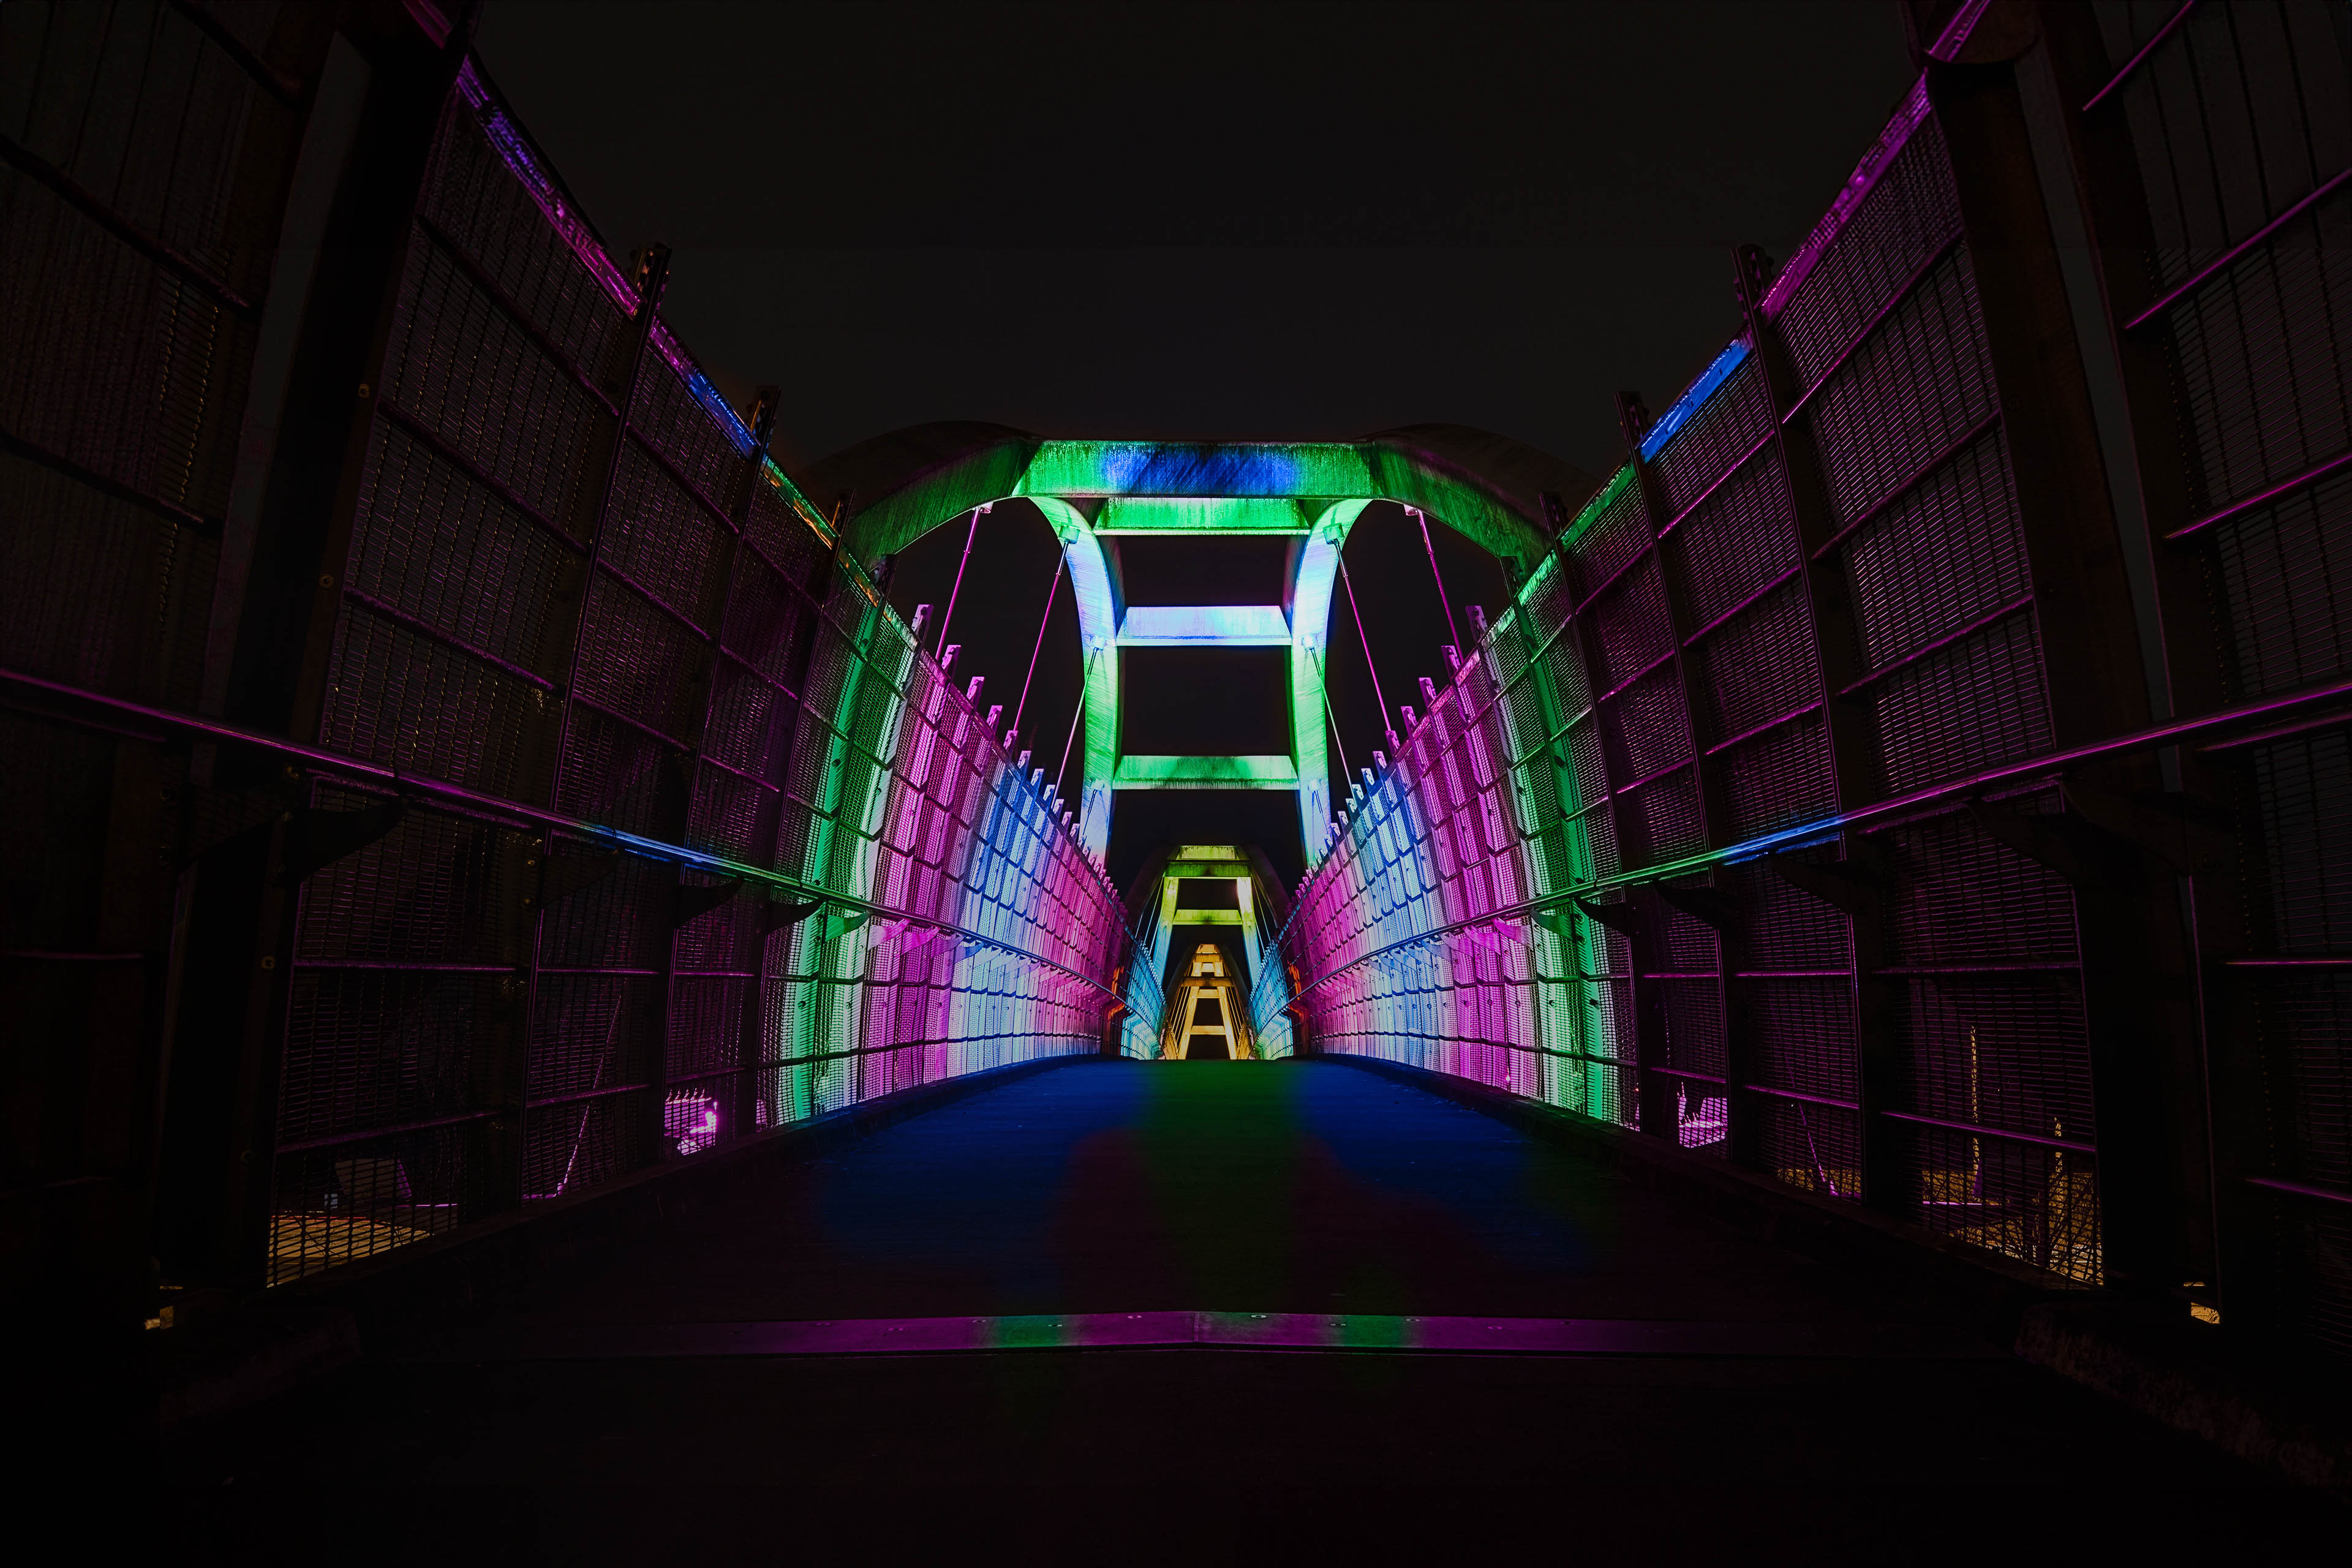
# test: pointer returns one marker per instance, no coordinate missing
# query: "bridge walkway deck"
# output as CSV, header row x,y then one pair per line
x,y
1778,1407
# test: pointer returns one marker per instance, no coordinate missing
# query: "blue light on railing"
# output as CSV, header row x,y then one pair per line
x,y
1696,394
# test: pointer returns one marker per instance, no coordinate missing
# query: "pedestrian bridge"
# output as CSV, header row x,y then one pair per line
x,y
529,980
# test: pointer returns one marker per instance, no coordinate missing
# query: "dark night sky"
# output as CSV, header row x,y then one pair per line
x,y
1201,220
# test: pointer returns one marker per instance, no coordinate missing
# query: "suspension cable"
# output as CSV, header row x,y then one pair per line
x,y
1451,630
1074,715
1323,668
1349,583
1043,622
941,646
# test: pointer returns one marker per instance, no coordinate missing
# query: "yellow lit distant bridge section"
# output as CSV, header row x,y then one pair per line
x,y
1208,1006
1219,880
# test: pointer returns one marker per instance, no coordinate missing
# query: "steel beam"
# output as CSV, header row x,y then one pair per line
x,y
2225,913
1207,773
1204,625
1640,443
2147,1071
1852,728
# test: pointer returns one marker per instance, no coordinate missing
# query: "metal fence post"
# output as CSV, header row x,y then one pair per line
x,y
1854,890
501,1139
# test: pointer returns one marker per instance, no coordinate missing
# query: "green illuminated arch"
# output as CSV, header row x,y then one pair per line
x,y
897,488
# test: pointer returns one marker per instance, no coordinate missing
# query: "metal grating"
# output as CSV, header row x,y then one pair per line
x,y
2303,787
1781,779
2305,1030
1909,216
1730,422
1814,1147
489,1014
1965,707
2283,568
2318,1249
2038,1205
1447,924
1736,543
1801,1038
1914,387
2238,124
1758,667
130,319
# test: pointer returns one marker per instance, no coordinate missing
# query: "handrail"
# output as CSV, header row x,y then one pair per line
x,y
58,463
68,189
267,76
2264,497
390,779
2232,256
1821,828
2131,66
1878,317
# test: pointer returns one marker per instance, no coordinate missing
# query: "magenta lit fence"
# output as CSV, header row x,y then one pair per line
x,y
582,809
632,617
1828,803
